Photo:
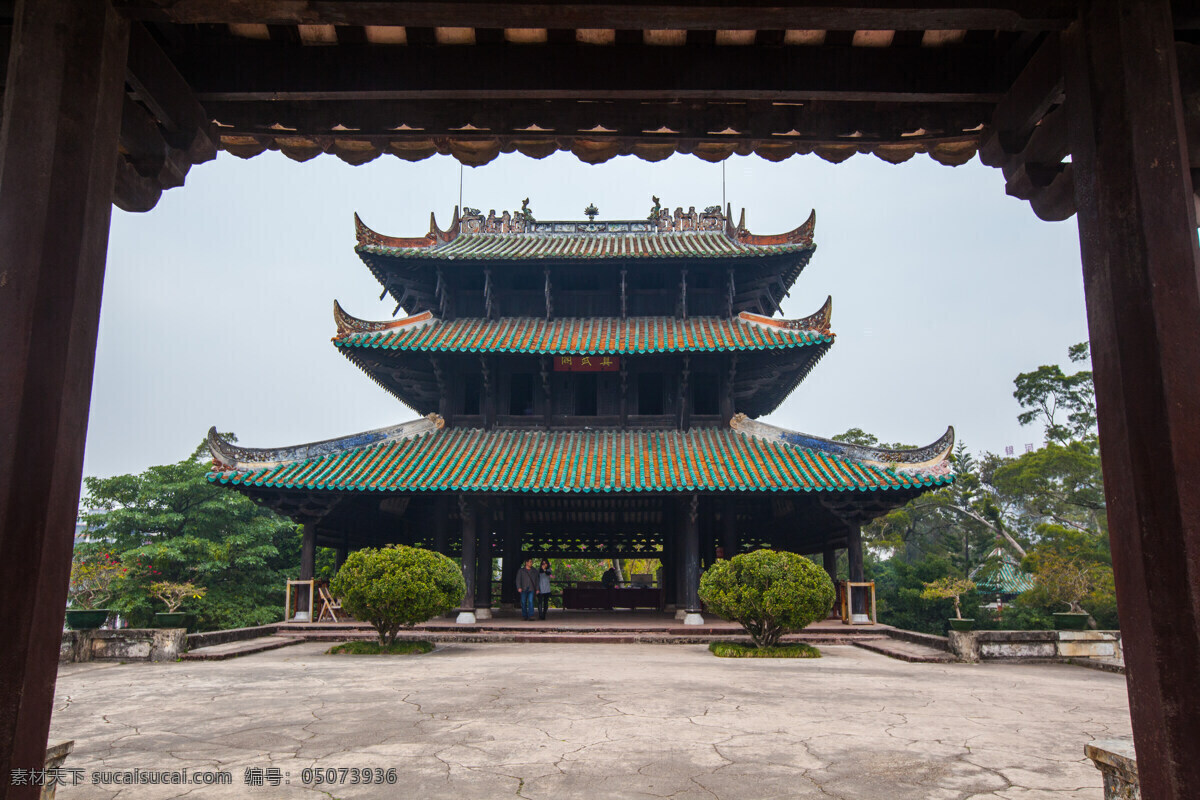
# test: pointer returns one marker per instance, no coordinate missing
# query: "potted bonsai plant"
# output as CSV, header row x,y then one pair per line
x,y
91,586
172,595
1068,581
949,588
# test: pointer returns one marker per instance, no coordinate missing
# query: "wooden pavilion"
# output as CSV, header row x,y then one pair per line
x,y
1090,107
589,388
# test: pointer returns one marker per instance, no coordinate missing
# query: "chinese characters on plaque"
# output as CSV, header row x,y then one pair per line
x,y
599,363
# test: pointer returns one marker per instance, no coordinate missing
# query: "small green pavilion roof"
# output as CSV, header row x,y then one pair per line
x,y
1001,574
424,456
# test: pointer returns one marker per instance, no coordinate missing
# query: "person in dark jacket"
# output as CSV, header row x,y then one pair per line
x,y
527,584
545,575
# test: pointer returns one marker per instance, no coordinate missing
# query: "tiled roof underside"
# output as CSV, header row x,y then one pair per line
x,y
580,461
586,335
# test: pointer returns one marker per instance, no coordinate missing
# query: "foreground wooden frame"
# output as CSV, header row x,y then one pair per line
x,y
1110,96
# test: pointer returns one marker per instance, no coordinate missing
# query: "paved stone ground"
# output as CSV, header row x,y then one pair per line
x,y
597,721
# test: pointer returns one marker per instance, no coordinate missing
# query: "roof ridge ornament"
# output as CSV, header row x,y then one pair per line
x,y
367,237
818,321
471,221
802,235
229,457
348,325
440,236
933,459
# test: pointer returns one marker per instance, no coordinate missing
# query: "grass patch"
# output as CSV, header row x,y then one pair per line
x,y
375,649
740,650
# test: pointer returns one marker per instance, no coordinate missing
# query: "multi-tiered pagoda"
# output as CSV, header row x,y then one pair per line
x,y
589,389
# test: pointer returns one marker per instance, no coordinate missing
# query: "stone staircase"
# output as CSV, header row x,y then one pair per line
x,y
892,642
242,647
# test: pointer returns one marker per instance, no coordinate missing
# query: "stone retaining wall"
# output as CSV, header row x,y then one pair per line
x,y
976,646
125,644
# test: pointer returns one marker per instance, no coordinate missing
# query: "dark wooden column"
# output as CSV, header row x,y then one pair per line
x,y
512,553
441,526
1137,231
483,569
466,510
308,551
343,550
829,559
670,554
691,554
854,553
58,155
729,533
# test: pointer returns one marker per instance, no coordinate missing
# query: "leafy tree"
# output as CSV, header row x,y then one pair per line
x,y
1045,503
898,588
948,588
397,587
1066,404
768,593
170,524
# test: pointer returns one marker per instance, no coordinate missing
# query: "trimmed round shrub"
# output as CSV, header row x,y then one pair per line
x,y
397,587
768,593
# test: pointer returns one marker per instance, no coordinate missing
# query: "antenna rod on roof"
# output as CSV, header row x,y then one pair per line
x,y
723,180
460,171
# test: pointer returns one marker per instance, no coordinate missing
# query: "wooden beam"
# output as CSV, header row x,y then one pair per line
x,y
161,88
1036,90
251,70
58,156
1141,268
916,15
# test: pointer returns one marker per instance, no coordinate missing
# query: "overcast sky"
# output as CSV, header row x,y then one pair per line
x,y
217,304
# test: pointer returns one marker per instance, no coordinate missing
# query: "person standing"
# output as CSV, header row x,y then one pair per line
x,y
545,574
527,583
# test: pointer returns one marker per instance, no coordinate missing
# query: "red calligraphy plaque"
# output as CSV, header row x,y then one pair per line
x,y
574,363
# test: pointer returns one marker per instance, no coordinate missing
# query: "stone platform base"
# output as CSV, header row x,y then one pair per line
x,y
126,644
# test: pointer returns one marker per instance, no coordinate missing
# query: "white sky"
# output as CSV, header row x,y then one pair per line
x,y
217,304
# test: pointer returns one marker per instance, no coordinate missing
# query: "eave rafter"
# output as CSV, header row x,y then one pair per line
x,y
657,14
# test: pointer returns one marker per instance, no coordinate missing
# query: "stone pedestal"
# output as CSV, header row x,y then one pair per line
x,y
693,618
1118,764
483,613
56,756
465,618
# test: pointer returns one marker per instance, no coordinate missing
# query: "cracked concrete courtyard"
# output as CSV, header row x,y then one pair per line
x,y
596,720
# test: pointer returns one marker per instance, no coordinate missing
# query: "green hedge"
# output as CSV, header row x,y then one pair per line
x,y
768,593
397,587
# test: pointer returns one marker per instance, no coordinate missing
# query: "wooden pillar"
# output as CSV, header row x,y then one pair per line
x,y
854,553
729,536
58,150
691,560
466,510
343,550
829,559
483,570
512,553
1137,231
308,551
728,380
854,557
441,526
670,556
